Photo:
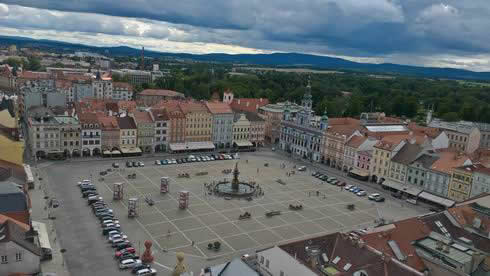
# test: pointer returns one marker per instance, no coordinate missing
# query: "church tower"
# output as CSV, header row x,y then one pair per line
x,y
324,121
304,116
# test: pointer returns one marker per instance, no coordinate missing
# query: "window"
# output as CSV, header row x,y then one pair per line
x,y
4,260
18,257
267,263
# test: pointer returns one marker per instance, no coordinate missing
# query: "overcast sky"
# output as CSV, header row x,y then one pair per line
x,y
453,33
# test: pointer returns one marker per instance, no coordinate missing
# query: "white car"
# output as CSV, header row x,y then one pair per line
x,y
157,162
128,263
374,196
110,221
361,193
114,238
348,187
174,161
111,225
141,164
146,272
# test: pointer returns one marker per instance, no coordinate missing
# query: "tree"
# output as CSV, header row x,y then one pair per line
x,y
450,116
33,64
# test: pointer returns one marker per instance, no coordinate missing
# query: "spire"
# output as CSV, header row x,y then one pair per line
x,y
325,117
307,99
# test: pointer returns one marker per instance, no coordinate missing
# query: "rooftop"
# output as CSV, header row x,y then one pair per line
x,y
159,114
248,104
449,160
407,154
126,122
12,198
67,120
218,108
12,232
162,93
387,128
461,126
356,141
142,117
193,106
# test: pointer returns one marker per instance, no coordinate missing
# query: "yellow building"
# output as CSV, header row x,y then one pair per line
x,y
383,151
198,122
241,129
461,181
12,151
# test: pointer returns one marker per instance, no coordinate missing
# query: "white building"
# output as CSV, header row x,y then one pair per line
x,y
18,253
102,87
122,91
91,136
161,119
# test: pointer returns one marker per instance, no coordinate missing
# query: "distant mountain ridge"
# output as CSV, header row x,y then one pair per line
x,y
277,59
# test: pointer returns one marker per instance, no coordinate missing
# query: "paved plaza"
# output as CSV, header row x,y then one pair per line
x,y
208,218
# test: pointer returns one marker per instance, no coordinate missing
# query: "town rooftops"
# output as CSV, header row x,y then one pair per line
x,y
125,85
193,107
461,126
390,142
474,168
427,160
12,198
253,117
399,238
107,122
66,120
219,108
449,160
34,75
88,118
142,117
407,154
248,104
356,141
126,122
345,255
161,93
159,114
12,232
279,107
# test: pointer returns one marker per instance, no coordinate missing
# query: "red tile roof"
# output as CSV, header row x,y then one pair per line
x,y
129,106
24,226
356,141
34,75
448,160
108,123
403,233
193,106
172,107
88,118
218,108
161,92
390,142
248,104
142,117
160,114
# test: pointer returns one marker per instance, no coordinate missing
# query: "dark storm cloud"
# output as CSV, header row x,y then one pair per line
x,y
342,27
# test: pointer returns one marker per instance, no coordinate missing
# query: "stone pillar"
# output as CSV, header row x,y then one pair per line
x,y
180,266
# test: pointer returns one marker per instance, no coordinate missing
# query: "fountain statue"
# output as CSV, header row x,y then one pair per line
x,y
147,256
235,184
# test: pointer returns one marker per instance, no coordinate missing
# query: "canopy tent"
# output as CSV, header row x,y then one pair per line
x,y
437,199
243,143
189,146
403,188
359,172
133,150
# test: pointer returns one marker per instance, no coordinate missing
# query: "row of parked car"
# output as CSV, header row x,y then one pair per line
x,y
125,253
328,179
196,158
134,164
351,188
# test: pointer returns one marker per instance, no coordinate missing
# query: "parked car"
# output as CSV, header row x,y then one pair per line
x,y
88,193
115,237
134,163
348,187
163,162
361,193
106,230
139,267
157,162
129,164
128,256
141,164
341,183
174,161
315,174
302,168
115,165
125,250
380,199
146,272
129,263
373,196
123,245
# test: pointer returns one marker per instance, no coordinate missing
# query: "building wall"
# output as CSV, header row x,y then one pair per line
x,y
44,137
70,138
91,137
398,172
122,94
198,127
146,134
305,143
441,141
177,130
437,183
102,89
460,185
349,156
273,261
474,140
485,139
363,161
241,129
128,137
481,184
256,135
82,90
161,135
29,263
272,124
416,175
110,139
222,130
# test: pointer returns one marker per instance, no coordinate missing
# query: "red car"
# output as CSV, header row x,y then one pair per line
x,y
125,250
341,184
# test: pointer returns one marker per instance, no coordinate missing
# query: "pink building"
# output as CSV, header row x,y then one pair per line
x,y
362,163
